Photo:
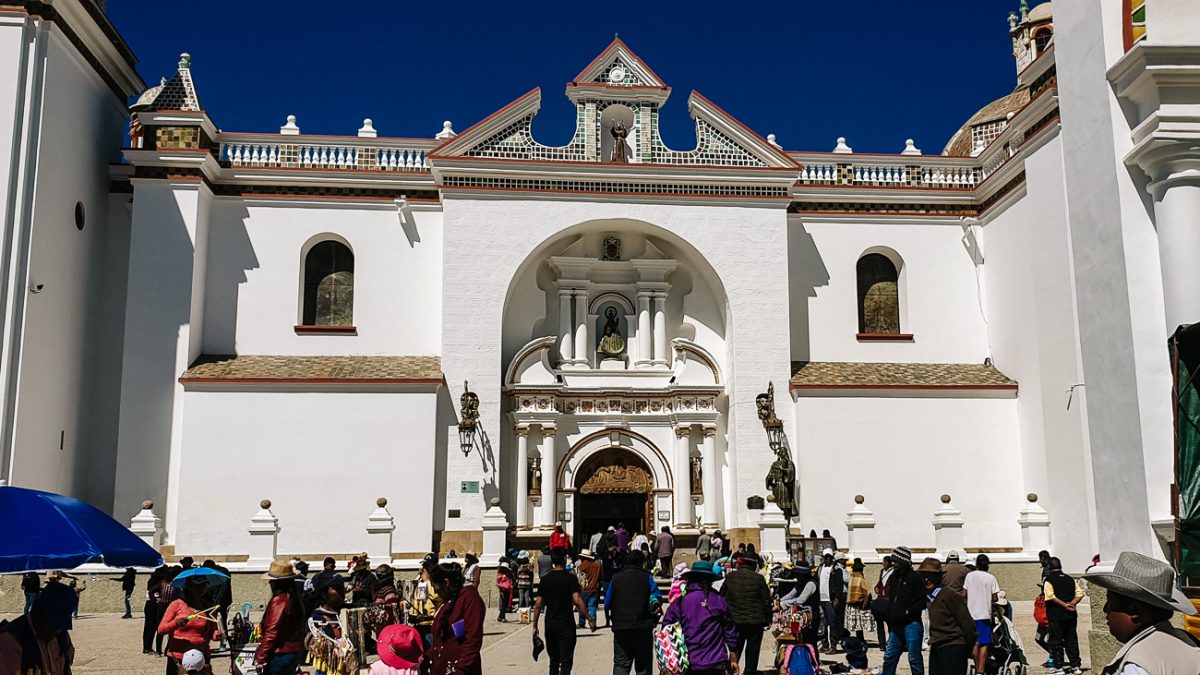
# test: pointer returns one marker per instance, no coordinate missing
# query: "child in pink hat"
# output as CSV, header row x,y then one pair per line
x,y
400,650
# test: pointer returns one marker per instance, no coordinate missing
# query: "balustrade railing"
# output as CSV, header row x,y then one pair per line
x,y
343,156
885,173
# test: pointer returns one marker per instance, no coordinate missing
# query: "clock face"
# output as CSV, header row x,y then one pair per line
x,y
616,75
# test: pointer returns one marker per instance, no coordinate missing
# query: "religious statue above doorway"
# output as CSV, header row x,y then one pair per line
x,y
535,476
620,150
612,345
781,481
697,477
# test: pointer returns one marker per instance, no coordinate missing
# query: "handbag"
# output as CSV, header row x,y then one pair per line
x,y
670,649
880,606
1039,610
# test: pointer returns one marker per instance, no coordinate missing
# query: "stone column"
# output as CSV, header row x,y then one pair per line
x,y
549,469
264,537
860,528
583,350
522,499
643,329
1176,203
147,526
682,470
660,329
380,526
565,329
947,528
708,476
1035,526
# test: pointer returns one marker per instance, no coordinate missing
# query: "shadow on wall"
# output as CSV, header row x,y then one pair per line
x,y
806,271
446,418
230,255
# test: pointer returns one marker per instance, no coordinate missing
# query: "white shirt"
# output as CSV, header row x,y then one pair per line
x,y
824,576
980,586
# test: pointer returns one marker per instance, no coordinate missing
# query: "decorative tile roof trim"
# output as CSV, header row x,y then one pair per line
x,y
825,377
260,369
618,50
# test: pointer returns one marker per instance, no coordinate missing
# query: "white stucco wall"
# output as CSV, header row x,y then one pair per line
x,y
1032,324
322,457
487,241
60,443
939,299
253,292
902,454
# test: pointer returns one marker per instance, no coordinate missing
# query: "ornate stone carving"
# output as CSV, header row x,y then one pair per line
x,y
612,248
615,479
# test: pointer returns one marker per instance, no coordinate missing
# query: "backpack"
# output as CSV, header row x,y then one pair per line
x,y
670,649
1039,610
803,661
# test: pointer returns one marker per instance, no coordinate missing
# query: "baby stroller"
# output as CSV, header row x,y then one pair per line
x,y
1006,656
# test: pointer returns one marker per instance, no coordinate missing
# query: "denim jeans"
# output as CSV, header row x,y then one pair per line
x,y
283,664
29,598
590,600
908,640
128,606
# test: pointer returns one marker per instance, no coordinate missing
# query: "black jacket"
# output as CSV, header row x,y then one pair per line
x,y
748,597
630,600
907,594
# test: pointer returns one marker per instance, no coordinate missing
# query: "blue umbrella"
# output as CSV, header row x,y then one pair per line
x,y
204,574
45,531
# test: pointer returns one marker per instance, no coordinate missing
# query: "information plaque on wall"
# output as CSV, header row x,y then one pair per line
x,y
470,487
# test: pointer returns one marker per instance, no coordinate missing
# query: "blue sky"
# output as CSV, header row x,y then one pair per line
x,y
874,71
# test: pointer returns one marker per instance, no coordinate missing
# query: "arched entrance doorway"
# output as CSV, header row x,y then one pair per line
x,y
613,486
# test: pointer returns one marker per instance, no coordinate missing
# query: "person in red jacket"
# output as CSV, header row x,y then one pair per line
x,y
458,624
188,624
283,626
559,538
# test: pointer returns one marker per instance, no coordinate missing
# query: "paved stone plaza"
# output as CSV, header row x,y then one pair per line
x,y
105,643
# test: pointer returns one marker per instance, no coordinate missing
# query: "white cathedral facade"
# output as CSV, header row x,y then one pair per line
x,y
966,349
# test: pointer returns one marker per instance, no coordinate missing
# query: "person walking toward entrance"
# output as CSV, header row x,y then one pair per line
x,y
1062,593
557,593
749,600
664,548
628,605
708,629
588,572
703,545
559,538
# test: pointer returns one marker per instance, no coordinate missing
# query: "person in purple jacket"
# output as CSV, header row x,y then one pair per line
x,y
708,629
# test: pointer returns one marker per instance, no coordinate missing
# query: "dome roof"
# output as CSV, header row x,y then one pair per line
x,y
1040,13
959,144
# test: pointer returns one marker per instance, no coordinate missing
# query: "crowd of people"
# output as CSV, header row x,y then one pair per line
x,y
713,614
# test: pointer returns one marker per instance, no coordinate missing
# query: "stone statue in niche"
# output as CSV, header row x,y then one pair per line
x,y
620,150
697,477
612,345
535,476
781,481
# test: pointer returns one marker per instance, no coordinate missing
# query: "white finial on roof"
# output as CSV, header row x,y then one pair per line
x,y
771,140
842,148
367,131
290,129
185,61
446,132
909,148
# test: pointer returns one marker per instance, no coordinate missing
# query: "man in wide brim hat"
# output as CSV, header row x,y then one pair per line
x,y
1142,598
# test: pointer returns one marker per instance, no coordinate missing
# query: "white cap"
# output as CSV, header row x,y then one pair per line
x,y
193,661
826,552
840,556
558,523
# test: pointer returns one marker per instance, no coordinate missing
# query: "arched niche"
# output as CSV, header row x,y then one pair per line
x,y
608,117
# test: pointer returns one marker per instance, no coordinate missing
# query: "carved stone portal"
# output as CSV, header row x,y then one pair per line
x,y
614,479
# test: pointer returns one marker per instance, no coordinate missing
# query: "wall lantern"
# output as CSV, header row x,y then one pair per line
x,y
765,402
468,420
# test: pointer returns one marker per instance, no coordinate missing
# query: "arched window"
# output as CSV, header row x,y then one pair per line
x,y
1042,39
329,285
878,296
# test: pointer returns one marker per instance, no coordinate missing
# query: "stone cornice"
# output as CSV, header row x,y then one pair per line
x,y
1159,86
